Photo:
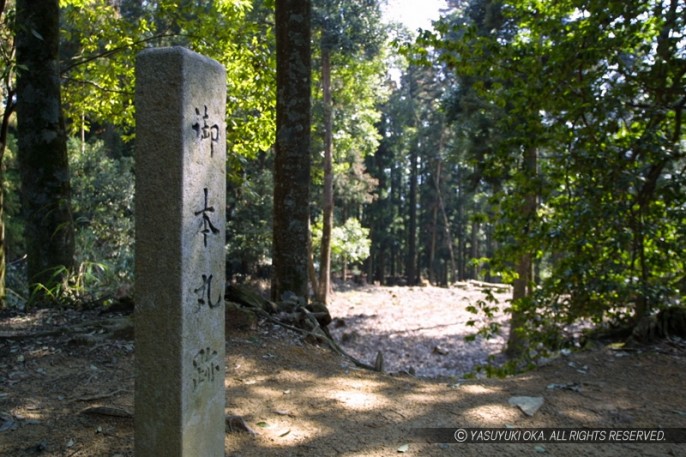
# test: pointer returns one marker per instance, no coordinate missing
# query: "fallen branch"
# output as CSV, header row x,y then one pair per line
x,y
316,332
78,328
107,411
110,324
25,335
103,396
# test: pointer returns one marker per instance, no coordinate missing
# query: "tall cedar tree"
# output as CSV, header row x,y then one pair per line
x,y
349,28
8,91
292,161
46,192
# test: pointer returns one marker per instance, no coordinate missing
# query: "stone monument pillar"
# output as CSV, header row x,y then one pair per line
x,y
180,238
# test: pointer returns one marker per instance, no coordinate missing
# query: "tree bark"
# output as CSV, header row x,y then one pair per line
x,y
292,161
43,161
312,272
433,267
4,129
460,223
474,249
327,207
451,273
517,341
411,260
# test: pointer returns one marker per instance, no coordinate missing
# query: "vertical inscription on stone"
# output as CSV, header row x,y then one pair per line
x,y
180,214
204,130
206,366
207,227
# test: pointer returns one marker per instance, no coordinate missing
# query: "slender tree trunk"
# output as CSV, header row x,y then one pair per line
x,y
327,227
474,252
517,341
4,128
395,261
292,160
312,272
446,223
433,270
3,248
489,250
46,191
411,262
461,248
380,265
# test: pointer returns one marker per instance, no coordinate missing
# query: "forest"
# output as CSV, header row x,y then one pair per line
x,y
534,143
475,225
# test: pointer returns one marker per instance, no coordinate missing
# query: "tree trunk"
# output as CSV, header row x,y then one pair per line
x,y
327,206
433,267
411,260
474,251
451,271
461,233
395,261
43,161
490,251
292,160
517,341
312,272
4,128
3,248
380,265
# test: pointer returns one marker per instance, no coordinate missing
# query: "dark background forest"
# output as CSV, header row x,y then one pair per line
x,y
532,143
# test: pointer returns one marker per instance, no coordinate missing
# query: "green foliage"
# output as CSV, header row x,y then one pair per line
x,y
15,280
349,27
249,225
596,89
102,204
7,48
353,34
358,91
101,40
349,242
103,197
494,369
99,75
14,228
74,288
488,306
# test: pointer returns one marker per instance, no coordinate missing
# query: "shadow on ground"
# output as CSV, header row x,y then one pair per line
x,y
302,400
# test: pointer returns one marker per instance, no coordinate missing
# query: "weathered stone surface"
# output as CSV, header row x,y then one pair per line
x,y
180,214
528,405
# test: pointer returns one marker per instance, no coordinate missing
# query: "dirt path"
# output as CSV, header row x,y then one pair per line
x,y
66,395
420,330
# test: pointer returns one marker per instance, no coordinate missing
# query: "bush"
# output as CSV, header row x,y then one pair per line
x,y
102,203
349,242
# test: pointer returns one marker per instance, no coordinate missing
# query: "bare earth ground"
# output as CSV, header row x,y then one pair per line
x,y
71,394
